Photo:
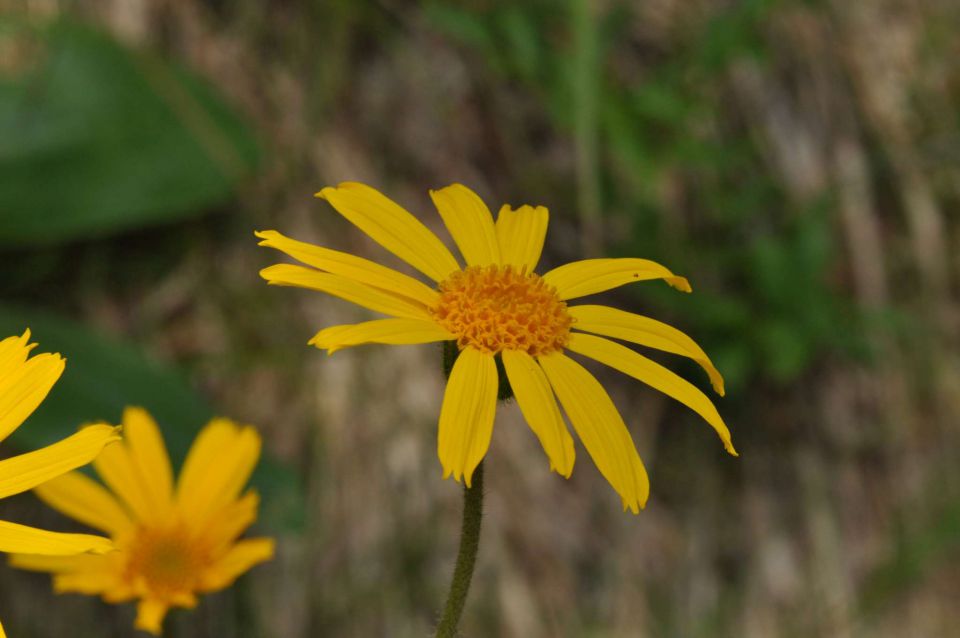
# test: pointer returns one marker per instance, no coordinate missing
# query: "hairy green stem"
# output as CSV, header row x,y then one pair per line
x,y
466,557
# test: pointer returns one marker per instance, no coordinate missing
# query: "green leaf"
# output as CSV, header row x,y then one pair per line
x,y
104,375
96,138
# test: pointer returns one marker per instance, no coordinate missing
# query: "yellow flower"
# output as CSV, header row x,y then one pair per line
x,y
497,306
173,542
24,383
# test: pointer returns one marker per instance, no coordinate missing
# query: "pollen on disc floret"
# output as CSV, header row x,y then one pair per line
x,y
495,308
168,561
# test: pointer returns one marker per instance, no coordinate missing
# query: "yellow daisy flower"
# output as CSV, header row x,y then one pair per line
x,y
173,542
498,307
24,383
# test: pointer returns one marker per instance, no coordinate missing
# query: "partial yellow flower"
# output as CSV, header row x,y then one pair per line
x,y
173,541
498,307
24,383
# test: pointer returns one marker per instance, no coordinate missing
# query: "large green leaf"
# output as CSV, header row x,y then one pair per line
x,y
96,138
103,375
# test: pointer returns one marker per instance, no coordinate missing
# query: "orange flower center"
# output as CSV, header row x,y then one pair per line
x,y
494,308
169,561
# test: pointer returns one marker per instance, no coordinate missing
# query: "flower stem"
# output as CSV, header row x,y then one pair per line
x,y
466,557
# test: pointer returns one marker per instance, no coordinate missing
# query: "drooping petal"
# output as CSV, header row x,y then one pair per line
x,y
470,224
392,227
653,374
391,331
217,467
16,538
83,499
350,266
466,416
520,234
21,473
238,560
600,428
374,299
149,454
589,276
539,408
24,383
619,324
150,615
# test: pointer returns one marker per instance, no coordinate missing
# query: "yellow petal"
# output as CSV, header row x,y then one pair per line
x,y
88,583
24,383
392,227
470,224
589,276
600,428
372,298
26,471
391,331
3,634
520,234
58,564
83,499
539,408
350,266
466,416
238,560
150,615
619,324
30,540
232,520
149,455
653,374
119,471
217,467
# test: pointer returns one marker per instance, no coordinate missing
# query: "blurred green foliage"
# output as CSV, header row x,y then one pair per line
x,y
97,138
769,310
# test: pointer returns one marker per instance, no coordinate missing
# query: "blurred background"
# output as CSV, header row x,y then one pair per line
x,y
798,160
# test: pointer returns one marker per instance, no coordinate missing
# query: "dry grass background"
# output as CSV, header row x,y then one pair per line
x,y
841,516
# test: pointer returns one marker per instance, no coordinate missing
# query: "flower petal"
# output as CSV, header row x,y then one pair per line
x,y
600,428
238,560
520,234
466,416
374,299
232,520
85,500
653,374
58,564
217,467
539,408
149,454
119,471
470,224
589,276
30,540
24,383
391,331
350,266
620,324
91,583
150,615
26,471
392,227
